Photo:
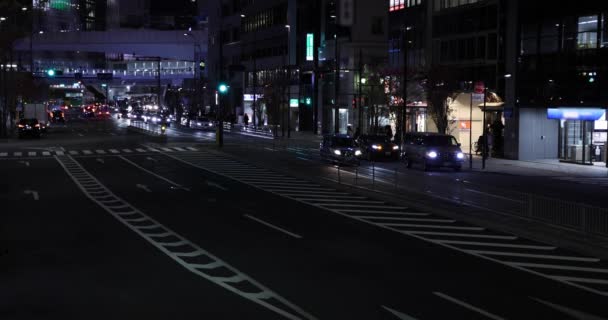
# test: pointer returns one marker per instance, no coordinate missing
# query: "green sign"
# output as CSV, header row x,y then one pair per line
x,y
60,4
310,44
294,103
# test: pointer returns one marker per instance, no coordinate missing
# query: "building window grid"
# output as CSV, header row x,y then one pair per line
x,y
395,5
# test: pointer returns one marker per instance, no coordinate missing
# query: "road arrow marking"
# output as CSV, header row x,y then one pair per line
x,y
215,185
143,187
398,314
26,163
33,193
100,160
569,311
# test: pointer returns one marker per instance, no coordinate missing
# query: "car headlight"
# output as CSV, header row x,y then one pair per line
x,y
358,153
395,147
376,147
460,155
199,124
432,154
338,152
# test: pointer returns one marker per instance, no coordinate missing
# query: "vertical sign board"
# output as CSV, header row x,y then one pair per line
x,y
347,12
310,43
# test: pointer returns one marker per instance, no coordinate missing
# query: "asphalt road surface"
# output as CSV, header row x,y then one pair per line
x,y
99,223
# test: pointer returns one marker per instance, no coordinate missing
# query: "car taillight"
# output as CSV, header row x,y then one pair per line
x,y
21,126
37,126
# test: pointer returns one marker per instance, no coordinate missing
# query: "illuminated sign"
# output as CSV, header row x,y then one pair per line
x,y
294,103
588,114
249,97
310,44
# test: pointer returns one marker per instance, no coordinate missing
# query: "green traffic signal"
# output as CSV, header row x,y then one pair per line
x,y
50,73
222,88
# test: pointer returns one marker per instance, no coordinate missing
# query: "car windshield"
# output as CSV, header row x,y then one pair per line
x,y
440,141
342,142
28,121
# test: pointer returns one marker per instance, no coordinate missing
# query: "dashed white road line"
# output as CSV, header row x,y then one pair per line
x,y
153,173
46,153
17,154
3,154
31,154
468,306
498,245
539,256
87,152
556,267
100,151
398,314
291,234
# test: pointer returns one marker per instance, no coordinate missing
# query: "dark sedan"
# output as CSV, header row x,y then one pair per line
x,y
340,149
29,128
376,147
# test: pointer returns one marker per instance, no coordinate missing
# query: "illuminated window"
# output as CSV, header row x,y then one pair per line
x,y
395,5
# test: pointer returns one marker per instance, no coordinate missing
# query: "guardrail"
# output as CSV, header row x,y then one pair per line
x,y
147,128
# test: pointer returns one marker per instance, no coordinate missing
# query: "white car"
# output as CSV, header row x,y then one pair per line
x,y
202,123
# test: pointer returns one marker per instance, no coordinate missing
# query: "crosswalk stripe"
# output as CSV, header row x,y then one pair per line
x,y
31,154
17,154
166,149
323,201
430,226
114,151
153,150
407,219
73,153
100,151
127,150
538,256
46,153
362,206
179,149
556,267
60,153
498,245
462,235
3,154
140,150
192,149
582,280
396,213
87,152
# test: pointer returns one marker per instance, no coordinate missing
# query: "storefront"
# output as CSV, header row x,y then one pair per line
x,y
582,134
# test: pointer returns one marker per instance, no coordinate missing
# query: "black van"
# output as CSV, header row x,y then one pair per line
x,y
432,150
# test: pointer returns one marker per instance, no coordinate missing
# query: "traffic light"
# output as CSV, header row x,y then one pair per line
x,y
201,66
308,101
223,88
53,72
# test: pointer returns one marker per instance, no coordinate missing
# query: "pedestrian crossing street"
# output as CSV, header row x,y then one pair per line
x,y
598,181
583,272
91,152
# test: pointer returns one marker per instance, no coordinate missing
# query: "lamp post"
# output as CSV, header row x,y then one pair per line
x,y
403,119
288,27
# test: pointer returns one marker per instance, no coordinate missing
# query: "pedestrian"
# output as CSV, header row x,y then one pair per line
x,y
246,119
357,133
349,131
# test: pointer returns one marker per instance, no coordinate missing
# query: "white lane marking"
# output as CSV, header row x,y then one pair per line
x,y
153,150
3,154
302,192
494,196
383,212
361,206
324,201
498,245
406,219
286,309
216,185
74,153
46,153
461,235
284,183
179,149
114,151
87,152
539,256
100,160
271,150
25,163
140,150
59,153
305,197
291,234
192,149
153,174
100,151
33,193
17,154
303,159
288,187
468,306
583,280
127,150
81,135
557,267
398,314
151,159
31,154
576,314
143,187
166,150
429,226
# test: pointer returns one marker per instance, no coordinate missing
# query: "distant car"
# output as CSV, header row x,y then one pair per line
x,y
378,146
341,149
202,123
57,116
29,128
432,150
136,115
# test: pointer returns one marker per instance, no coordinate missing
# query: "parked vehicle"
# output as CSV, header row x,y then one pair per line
x,y
29,128
432,150
376,147
340,149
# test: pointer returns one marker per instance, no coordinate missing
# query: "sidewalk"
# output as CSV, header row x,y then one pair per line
x,y
538,168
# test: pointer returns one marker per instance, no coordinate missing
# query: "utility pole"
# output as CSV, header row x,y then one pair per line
x,y
485,131
337,84
360,102
288,81
255,77
218,115
404,86
157,81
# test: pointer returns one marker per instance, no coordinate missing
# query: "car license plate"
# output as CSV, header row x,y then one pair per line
x,y
387,153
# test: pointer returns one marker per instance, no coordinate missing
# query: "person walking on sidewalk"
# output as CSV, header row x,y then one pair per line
x,y
246,120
